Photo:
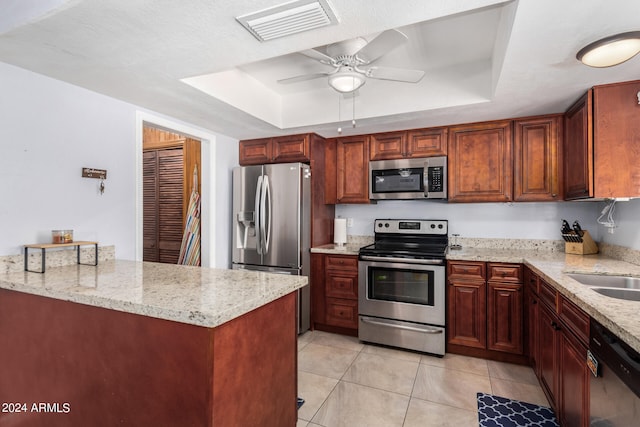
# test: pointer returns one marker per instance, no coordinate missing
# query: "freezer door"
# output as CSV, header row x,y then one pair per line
x,y
283,213
245,215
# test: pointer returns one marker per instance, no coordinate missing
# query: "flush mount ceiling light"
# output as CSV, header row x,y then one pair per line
x,y
346,81
288,18
610,51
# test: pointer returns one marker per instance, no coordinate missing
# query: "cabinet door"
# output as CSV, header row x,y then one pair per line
x,y
574,382
504,317
578,149
480,162
353,169
255,152
426,142
317,283
387,146
548,350
467,319
294,148
342,284
616,135
536,161
342,313
532,311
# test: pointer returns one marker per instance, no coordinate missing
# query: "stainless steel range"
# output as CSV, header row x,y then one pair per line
x,y
401,285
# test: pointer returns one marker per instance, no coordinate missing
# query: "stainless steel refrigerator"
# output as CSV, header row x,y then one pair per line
x,y
271,223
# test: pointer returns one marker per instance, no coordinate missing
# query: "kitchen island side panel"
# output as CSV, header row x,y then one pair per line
x,y
82,365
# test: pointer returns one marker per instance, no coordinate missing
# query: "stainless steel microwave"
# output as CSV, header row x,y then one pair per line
x,y
408,179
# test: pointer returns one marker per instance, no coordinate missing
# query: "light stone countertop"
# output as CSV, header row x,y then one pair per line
x,y
193,295
619,316
348,249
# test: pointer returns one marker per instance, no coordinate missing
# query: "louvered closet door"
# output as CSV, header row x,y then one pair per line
x,y
163,208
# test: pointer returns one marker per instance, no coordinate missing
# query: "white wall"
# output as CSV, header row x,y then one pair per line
x,y
49,131
487,220
627,231
227,158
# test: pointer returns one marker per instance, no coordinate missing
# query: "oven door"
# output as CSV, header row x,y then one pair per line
x,y
402,291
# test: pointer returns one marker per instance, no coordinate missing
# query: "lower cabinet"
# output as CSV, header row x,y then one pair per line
x,y
485,309
561,330
334,289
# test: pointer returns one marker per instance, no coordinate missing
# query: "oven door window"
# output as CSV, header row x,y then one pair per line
x,y
401,285
397,180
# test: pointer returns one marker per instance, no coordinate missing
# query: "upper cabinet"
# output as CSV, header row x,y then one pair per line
x,y
352,175
536,165
480,162
408,144
602,135
284,149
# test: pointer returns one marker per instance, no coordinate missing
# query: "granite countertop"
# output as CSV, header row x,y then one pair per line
x,y
619,316
348,249
193,295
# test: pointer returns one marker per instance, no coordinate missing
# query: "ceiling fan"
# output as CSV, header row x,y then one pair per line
x,y
351,60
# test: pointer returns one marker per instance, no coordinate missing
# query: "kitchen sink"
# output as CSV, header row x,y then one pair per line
x,y
603,281
625,294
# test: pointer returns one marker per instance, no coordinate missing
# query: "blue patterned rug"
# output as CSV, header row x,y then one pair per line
x,y
496,411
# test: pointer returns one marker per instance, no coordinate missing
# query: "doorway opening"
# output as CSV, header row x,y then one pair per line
x,y
171,165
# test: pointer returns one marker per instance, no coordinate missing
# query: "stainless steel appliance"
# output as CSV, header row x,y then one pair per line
x,y
420,178
401,285
271,223
615,392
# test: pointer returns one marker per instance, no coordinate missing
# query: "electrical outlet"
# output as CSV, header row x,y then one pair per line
x,y
349,222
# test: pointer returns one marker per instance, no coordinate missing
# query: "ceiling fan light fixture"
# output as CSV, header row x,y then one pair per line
x,y
610,51
346,81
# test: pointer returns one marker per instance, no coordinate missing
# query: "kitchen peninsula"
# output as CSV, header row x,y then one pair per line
x,y
136,343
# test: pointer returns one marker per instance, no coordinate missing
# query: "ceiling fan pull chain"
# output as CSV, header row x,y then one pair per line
x,y
339,117
353,121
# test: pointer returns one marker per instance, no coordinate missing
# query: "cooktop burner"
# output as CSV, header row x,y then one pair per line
x,y
420,239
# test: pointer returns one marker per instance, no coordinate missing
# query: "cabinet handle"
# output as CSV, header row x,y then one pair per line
x,y
534,302
554,195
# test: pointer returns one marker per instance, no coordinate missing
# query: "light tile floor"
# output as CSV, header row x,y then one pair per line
x,y
347,383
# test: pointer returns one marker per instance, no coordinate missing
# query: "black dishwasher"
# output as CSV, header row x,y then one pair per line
x,y
615,392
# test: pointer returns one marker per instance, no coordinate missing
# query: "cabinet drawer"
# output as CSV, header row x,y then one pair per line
x,y
548,294
342,312
341,285
342,262
466,270
510,273
575,319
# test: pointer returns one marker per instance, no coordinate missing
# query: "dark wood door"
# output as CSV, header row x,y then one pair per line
x,y
293,148
573,381
467,319
616,139
578,149
480,162
353,169
504,317
536,166
548,351
427,142
531,324
163,188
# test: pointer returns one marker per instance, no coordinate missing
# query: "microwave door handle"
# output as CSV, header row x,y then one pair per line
x,y
425,178
258,212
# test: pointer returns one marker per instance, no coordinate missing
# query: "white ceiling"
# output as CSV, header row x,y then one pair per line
x,y
484,59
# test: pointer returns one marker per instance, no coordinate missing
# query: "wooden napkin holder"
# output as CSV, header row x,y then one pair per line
x,y
586,247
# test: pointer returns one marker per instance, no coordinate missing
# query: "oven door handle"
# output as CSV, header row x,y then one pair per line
x,y
408,328
403,260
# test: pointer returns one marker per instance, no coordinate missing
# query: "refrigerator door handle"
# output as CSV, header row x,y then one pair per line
x,y
258,212
266,213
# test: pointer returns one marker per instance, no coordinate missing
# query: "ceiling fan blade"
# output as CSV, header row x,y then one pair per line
x,y
302,78
395,74
386,41
318,56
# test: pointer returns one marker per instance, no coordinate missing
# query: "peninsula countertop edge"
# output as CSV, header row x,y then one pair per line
x,y
198,296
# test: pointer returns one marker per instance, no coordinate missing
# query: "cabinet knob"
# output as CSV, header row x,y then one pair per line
x,y
554,195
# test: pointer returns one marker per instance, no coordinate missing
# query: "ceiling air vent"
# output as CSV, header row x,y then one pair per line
x,y
289,18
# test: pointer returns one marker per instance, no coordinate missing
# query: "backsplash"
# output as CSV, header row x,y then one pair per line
x,y
55,258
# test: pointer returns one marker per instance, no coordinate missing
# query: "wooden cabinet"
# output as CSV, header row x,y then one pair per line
x,y
504,308
352,174
284,149
536,165
480,162
562,335
485,309
334,282
408,144
601,139
531,320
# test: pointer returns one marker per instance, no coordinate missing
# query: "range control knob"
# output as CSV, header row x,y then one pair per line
x,y
433,226
386,225
440,226
379,225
